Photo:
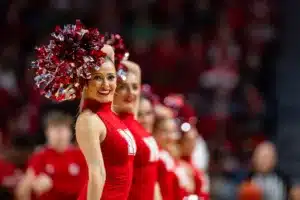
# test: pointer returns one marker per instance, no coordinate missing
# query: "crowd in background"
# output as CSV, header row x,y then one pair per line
x,y
213,52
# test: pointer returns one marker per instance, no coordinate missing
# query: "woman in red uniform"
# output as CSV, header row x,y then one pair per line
x,y
51,168
84,68
187,144
145,114
164,130
145,163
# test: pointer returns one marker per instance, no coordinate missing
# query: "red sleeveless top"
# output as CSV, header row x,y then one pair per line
x,y
145,161
118,150
166,175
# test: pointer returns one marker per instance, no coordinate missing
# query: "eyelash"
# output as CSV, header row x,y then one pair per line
x,y
110,78
97,78
135,87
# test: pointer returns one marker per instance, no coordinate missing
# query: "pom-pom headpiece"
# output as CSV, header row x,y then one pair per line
x,y
121,53
148,93
66,62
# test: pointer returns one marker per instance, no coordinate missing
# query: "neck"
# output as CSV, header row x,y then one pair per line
x,y
133,110
59,149
96,106
120,111
126,116
186,158
149,129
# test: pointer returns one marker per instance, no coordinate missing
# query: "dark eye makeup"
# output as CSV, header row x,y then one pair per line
x,y
111,77
97,77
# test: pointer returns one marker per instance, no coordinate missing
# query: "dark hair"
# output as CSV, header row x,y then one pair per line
x,y
5,194
57,118
22,142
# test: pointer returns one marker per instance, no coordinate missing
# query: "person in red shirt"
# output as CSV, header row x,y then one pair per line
x,y
52,167
145,162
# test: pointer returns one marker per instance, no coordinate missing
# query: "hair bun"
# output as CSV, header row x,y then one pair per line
x,y
108,49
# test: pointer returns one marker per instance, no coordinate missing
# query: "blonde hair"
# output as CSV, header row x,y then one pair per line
x,y
135,69
82,100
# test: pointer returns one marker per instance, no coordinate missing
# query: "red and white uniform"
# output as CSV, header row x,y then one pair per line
x,y
67,171
145,161
202,184
118,151
183,181
166,176
201,181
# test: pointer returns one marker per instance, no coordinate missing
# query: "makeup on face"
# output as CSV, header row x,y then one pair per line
x,y
102,85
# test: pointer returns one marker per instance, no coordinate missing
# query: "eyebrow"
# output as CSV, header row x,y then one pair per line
x,y
99,73
111,74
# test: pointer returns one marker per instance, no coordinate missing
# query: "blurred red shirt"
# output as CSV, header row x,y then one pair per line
x,y
66,169
9,174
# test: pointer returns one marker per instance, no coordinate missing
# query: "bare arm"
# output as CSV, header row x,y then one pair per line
x,y
23,189
89,129
157,194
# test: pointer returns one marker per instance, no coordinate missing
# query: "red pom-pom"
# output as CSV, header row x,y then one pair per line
x,y
68,58
121,53
148,93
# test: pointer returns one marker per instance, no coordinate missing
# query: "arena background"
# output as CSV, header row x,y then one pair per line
x,y
251,47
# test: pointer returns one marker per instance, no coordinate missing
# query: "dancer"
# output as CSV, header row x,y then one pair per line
x,y
193,181
146,115
145,163
163,132
197,179
84,68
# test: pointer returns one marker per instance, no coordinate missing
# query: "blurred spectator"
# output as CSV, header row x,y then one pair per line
x,y
295,193
12,164
54,165
192,64
272,182
165,60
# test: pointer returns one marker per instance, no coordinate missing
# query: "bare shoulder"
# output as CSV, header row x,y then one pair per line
x,y
88,121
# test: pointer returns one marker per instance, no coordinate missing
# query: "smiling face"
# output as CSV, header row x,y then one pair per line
x,y
101,87
127,94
